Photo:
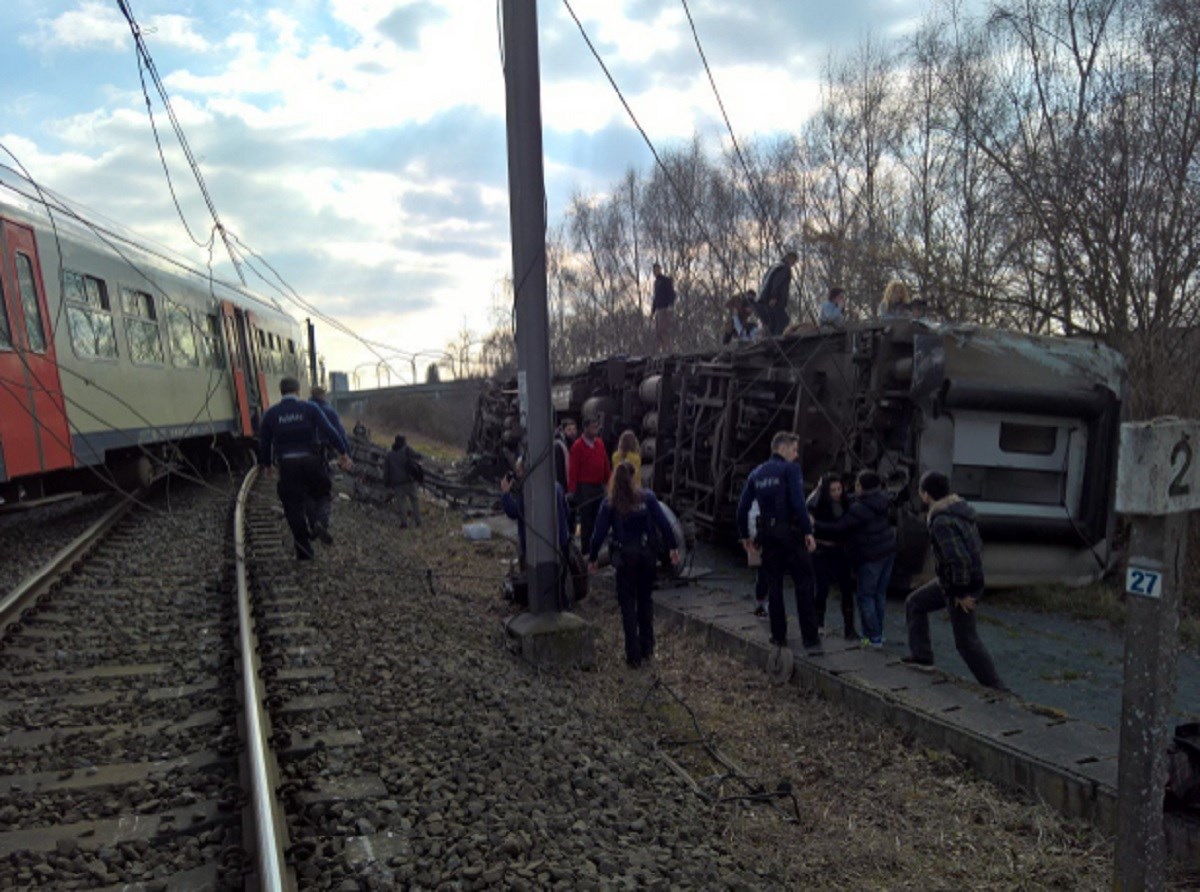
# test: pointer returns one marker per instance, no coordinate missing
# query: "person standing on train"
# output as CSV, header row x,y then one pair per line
x,y
957,586
896,301
290,437
662,308
871,544
318,510
828,504
587,477
773,295
638,524
783,522
629,450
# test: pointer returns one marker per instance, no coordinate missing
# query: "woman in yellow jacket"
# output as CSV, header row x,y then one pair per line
x,y
629,451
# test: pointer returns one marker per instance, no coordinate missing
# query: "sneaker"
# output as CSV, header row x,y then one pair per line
x,y
877,644
864,642
323,534
910,660
760,611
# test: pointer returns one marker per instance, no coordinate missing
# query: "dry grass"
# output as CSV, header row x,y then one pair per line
x,y
877,810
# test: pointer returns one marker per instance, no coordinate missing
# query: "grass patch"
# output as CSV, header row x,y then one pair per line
x,y
1102,601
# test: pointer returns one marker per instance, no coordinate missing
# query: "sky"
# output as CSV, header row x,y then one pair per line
x,y
359,145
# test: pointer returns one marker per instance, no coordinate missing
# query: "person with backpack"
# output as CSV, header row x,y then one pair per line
x,y
773,295
637,523
871,544
957,586
402,472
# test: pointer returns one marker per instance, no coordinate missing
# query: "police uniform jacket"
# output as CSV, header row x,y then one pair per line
x,y
639,527
778,486
293,428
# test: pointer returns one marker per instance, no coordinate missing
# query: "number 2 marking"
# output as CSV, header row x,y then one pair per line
x,y
1178,487
1142,583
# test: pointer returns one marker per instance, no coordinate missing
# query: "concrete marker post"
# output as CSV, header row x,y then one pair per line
x,y
1157,484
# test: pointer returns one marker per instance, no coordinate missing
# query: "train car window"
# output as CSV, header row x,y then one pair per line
x,y
5,331
29,303
89,317
213,357
141,327
184,351
1030,439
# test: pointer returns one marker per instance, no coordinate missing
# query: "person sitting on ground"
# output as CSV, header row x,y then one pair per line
x,y
628,450
637,522
958,585
833,310
895,301
402,471
871,544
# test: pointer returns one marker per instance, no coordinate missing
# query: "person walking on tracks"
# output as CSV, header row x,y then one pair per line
x,y
778,486
402,472
319,510
958,585
637,522
290,437
587,477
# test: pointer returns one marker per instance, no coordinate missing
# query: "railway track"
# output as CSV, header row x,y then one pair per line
x,y
121,699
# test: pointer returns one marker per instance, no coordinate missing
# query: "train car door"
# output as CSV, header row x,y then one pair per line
x,y
257,360
245,386
34,435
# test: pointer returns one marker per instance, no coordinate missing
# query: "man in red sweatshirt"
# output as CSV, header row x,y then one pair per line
x,y
587,476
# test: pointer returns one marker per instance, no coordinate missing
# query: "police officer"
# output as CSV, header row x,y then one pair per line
x,y
778,486
291,434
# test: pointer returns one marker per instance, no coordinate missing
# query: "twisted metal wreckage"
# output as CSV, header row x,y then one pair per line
x,y
1026,426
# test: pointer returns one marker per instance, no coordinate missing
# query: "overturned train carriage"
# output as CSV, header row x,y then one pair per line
x,y
1026,427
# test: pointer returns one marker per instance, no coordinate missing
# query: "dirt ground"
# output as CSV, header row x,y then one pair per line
x,y
875,810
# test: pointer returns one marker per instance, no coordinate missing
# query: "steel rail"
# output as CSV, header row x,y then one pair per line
x,y
42,580
267,819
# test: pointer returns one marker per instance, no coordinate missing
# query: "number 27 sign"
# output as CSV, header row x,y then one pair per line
x,y
1158,472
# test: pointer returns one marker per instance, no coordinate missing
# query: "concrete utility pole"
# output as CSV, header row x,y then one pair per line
x,y
1157,484
545,634
312,352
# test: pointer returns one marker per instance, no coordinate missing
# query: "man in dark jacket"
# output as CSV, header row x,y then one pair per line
x,y
773,295
662,308
871,545
958,585
778,486
290,436
318,510
402,472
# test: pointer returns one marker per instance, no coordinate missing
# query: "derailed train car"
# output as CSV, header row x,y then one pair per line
x,y
1026,426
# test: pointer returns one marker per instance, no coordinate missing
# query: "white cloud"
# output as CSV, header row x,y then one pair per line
x,y
95,24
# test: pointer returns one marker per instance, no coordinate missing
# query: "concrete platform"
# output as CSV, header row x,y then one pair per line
x,y
1069,764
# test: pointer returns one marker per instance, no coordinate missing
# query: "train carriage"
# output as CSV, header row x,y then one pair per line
x,y
116,355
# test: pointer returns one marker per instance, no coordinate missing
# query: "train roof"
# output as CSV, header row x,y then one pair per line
x,y
81,225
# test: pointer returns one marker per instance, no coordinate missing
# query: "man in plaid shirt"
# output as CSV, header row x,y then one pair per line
x,y
958,559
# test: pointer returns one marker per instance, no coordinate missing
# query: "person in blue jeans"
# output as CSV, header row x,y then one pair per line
x,y
871,544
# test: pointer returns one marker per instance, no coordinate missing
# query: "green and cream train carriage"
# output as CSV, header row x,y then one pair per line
x,y
116,355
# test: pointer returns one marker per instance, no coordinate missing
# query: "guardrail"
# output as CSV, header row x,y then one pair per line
x,y
267,817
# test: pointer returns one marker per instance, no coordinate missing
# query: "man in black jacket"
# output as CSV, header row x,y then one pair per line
x,y
661,308
871,545
402,472
773,295
958,559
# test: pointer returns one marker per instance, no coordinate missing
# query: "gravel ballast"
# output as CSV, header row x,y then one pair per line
x,y
501,776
